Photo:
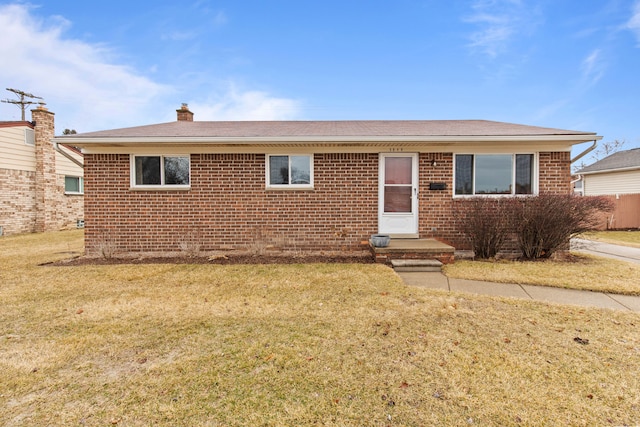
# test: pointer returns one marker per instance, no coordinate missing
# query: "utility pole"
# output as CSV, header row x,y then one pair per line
x,y
22,102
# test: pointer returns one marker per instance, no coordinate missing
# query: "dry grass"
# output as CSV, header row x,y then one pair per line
x,y
626,238
335,345
582,272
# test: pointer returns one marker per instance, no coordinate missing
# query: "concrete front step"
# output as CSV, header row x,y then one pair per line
x,y
409,265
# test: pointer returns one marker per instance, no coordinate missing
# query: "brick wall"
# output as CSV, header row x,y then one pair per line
x,y
18,204
555,175
45,169
228,206
17,201
68,208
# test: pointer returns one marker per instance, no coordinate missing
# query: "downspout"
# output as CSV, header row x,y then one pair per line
x,y
585,152
578,157
578,180
67,155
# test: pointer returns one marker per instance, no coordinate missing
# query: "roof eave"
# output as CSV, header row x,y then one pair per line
x,y
361,140
626,169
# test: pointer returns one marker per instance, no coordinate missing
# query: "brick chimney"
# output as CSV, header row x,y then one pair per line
x,y
184,115
45,169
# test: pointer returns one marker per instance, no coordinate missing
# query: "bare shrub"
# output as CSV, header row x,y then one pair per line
x,y
485,222
106,245
190,244
261,242
544,224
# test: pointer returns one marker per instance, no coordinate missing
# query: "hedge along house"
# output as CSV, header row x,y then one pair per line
x,y
305,185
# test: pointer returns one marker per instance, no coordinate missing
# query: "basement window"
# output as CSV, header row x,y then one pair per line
x,y
160,171
290,171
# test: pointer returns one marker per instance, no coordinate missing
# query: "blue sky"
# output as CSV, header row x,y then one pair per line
x,y
101,65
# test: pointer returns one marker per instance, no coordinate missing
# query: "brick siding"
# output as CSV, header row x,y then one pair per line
x,y
35,201
228,206
18,204
17,201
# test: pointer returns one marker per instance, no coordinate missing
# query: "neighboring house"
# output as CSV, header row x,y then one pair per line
x,y
305,184
41,183
618,173
616,176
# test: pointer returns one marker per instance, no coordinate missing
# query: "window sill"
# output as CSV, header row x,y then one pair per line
x,y
290,188
69,193
494,196
161,188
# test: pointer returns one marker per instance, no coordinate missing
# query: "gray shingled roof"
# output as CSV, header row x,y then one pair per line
x,y
351,128
620,160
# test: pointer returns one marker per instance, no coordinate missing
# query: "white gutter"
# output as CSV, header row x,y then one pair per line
x,y
629,168
356,140
67,155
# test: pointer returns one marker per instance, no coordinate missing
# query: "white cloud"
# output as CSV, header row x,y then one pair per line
x,y
593,67
220,19
634,22
498,22
86,87
77,79
245,105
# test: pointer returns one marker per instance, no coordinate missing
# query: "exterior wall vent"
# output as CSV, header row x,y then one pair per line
x,y
29,137
80,223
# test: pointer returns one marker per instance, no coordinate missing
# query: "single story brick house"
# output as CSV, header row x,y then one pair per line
x,y
305,185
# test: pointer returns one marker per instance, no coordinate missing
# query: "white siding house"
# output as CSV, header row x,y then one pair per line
x,y
616,174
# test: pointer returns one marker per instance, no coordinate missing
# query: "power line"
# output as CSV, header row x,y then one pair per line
x,y
22,102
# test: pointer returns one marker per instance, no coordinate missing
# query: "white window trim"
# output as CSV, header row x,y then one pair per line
x,y
267,168
80,182
132,173
534,180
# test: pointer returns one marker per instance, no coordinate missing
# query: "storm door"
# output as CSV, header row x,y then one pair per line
x,y
398,195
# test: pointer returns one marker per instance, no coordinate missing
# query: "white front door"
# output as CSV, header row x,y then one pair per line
x,y
398,195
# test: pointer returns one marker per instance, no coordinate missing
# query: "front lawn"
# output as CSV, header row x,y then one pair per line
x,y
283,345
579,272
625,238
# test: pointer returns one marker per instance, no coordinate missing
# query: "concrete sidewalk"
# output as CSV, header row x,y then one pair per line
x,y
437,280
622,253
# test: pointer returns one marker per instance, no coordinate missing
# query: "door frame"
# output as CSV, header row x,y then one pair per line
x,y
411,231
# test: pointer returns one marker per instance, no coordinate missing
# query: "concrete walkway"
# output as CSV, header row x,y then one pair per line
x,y
623,253
539,293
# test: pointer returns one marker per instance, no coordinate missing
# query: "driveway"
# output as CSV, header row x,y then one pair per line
x,y
623,253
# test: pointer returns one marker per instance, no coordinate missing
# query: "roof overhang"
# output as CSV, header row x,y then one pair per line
x,y
88,143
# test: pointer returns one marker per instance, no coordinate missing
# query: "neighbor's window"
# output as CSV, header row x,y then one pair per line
x,y
161,170
73,185
494,174
290,171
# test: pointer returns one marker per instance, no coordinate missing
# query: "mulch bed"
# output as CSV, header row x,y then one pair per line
x,y
231,259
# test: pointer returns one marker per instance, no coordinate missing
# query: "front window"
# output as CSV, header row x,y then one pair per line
x,y
160,170
478,174
290,171
73,185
